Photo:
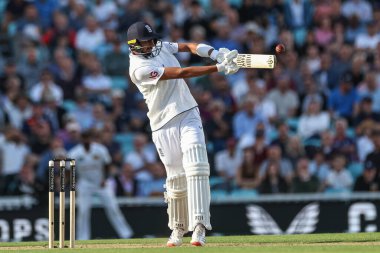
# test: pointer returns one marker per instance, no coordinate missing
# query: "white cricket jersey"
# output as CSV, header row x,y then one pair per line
x,y
90,164
165,99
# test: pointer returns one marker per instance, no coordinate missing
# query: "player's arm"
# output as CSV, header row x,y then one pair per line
x,y
202,50
177,72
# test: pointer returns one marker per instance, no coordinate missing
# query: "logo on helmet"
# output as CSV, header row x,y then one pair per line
x,y
148,28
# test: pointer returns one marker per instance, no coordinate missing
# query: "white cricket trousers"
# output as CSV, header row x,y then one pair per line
x,y
86,190
172,139
182,149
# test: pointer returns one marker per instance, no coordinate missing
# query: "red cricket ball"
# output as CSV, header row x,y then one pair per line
x,y
280,48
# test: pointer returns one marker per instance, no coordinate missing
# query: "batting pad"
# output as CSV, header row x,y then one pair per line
x,y
176,197
197,171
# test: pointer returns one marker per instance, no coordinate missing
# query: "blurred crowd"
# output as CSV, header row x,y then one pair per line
x,y
312,124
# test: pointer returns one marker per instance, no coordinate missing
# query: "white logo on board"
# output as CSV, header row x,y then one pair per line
x,y
262,223
359,213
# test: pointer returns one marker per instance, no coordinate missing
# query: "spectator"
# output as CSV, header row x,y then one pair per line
x,y
223,36
105,12
370,88
30,24
14,10
368,40
217,127
374,156
327,77
364,142
56,151
343,143
298,17
55,114
10,71
25,182
119,113
360,8
228,161
46,89
327,140
116,62
13,151
124,183
343,100
60,29
247,174
138,117
113,147
294,150
97,85
76,11
31,67
283,135
283,164
36,120
68,78
100,116
90,36
141,158
285,99
246,120
367,182
82,113
70,135
339,179
319,167
18,110
221,91
260,144
110,37
324,33
272,181
46,8
196,16
304,181
365,112
155,186
313,121
133,12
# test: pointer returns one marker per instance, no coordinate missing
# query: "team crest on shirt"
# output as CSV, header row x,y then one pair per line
x,y
96,157
153,74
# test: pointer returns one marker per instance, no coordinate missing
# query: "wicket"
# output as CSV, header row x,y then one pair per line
x,y
62,171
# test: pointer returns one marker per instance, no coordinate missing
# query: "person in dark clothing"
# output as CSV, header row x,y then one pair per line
x,y
374,156
273,182
367,182
304,181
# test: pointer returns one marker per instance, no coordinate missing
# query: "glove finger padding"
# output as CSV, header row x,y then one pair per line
x,y
231,55
221,54
231,68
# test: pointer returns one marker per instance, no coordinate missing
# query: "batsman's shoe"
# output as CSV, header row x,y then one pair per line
x,y
199,236
175,238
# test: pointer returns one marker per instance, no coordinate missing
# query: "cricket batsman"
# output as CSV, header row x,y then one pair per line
x,y
176,125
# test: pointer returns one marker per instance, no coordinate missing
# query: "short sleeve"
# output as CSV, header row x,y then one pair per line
x,y
148,75
172,47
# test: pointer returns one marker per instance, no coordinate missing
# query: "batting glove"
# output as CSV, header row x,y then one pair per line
x,y
228,66
220,55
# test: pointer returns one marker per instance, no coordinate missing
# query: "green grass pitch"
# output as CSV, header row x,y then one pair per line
x,y
310,243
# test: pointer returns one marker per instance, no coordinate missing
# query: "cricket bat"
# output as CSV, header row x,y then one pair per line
x,y
256,61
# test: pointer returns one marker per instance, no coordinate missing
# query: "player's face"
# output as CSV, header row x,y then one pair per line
x,y
147,46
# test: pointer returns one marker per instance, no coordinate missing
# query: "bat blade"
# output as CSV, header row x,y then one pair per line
x,y
256,61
